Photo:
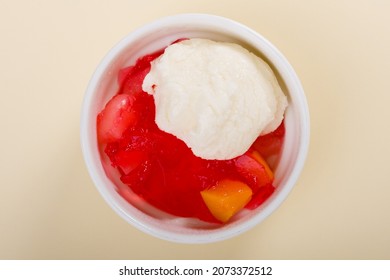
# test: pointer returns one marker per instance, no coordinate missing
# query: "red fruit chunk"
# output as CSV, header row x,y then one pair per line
x,y
270,144
115,118
253,168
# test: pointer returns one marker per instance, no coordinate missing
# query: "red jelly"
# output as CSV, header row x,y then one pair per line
x,y
159,167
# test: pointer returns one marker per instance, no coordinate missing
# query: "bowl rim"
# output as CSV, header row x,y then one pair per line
x,y
212,235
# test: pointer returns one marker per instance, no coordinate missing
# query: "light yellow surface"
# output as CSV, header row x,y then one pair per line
x,y
340,207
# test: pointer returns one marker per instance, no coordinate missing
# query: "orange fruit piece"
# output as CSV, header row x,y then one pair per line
x,y
254,169
261,160
226,198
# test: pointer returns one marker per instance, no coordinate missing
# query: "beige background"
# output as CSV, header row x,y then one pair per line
x,y
340,207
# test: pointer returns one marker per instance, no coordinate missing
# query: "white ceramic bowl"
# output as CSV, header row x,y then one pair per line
x,y
155,36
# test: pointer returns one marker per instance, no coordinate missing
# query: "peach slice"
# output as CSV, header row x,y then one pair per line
x,y
226,198
254,169
261,160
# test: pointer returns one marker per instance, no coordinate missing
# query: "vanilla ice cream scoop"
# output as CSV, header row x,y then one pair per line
x,y
217,97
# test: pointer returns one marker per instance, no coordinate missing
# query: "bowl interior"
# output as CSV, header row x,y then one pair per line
x,y
158,35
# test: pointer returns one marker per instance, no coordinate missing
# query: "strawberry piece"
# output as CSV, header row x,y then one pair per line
x,y
254,169
115,118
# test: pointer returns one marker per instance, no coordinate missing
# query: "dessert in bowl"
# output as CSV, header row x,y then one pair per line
x,y
120,170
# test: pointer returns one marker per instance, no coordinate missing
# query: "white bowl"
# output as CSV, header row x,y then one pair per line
x,y
155,36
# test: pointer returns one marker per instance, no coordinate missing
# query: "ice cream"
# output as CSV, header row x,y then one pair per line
x,y
217,97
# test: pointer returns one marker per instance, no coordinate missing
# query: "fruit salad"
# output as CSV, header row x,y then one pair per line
x,y
162,170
